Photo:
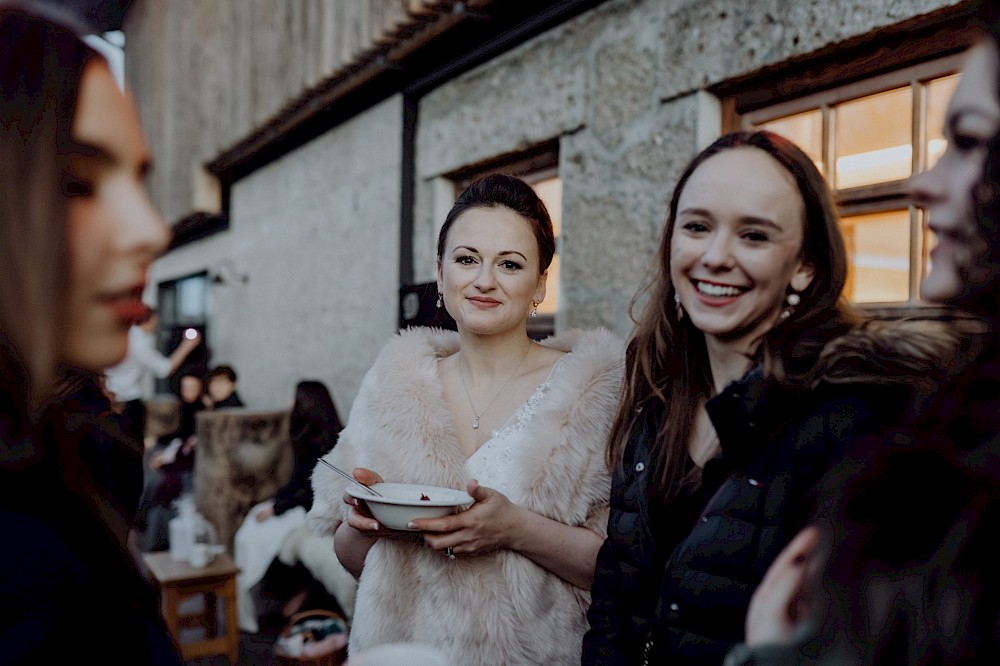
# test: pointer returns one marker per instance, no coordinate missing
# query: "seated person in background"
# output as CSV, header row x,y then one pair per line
x,y
169,468
221,386
313,428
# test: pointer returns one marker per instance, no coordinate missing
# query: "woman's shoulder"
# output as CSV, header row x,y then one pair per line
x,y
588,377
414,347
598,346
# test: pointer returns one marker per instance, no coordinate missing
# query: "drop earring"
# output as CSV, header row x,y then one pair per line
x,y
792,300
680,308
534,309
439,302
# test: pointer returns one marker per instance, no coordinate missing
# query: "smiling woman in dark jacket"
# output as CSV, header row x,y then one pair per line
x,y
728,416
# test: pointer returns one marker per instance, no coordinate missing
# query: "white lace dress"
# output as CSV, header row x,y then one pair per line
x,y
492,463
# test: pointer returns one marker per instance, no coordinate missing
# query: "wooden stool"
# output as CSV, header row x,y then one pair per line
x,y
177,581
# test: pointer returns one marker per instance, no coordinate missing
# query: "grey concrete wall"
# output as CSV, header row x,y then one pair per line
x,y
317,232
622,90
209,74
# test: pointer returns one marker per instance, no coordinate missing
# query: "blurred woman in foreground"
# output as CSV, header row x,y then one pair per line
x,y
77,235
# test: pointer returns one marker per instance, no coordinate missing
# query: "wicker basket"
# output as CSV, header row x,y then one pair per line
x,y
333,658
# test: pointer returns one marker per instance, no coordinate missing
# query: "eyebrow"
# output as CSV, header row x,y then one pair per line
x,y
98,153
746,219
469,248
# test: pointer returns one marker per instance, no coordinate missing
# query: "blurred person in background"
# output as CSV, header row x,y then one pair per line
x,y
169,468
220,386
313,429
77,236
127,380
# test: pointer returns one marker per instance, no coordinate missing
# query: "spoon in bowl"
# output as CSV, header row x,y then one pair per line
x,y
350,478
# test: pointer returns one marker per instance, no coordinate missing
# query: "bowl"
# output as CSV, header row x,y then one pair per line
x,y
402,502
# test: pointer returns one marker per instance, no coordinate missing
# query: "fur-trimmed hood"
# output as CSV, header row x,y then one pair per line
x,y
498,607
920,354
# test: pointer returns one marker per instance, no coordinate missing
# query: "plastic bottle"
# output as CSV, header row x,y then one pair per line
x,y
181,529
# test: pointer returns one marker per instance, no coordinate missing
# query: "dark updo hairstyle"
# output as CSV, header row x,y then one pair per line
x,y
499,190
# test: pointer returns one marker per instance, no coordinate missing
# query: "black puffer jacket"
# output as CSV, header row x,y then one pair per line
x,y
684,589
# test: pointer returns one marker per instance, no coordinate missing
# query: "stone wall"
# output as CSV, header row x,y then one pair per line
x,y
209,75
622,90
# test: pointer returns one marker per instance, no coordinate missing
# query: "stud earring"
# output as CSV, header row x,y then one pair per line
x,y
680,308
439,302
792,299
534,309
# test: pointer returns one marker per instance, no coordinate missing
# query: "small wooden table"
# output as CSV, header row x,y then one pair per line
x,y
177,581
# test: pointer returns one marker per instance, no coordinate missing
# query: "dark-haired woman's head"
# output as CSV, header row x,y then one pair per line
x,y
502,191
313,413
493,253
78,230
751,230
751,262
959,195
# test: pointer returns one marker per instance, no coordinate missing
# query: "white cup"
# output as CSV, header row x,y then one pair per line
x,y
200,555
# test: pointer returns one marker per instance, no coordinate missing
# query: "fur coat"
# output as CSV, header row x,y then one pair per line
x,y
500,607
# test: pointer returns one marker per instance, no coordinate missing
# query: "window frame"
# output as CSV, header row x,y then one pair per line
x,y
745,110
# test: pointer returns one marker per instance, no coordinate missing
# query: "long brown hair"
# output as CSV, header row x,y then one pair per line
x,y
667,366
41,65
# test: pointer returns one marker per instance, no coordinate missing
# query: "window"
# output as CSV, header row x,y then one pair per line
x,y
182,304
540,169
867,138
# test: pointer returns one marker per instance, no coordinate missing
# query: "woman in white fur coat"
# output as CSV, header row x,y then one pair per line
x,y
521,425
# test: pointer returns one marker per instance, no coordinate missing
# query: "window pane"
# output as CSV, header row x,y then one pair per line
x,y
805,130
191,299
938,93
874,139
879,247
549,191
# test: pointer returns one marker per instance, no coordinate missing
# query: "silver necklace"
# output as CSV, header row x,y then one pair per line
x,y
461,377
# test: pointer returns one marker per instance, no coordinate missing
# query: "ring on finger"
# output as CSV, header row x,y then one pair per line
x,y
449,552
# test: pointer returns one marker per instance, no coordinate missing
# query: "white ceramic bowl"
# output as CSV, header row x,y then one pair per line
x,y
401,502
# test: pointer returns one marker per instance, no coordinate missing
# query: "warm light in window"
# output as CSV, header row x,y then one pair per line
x,y
804,130
874,166
879,247
870,148
869,131
939,92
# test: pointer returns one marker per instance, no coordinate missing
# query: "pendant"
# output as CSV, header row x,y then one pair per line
x,y
475,424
